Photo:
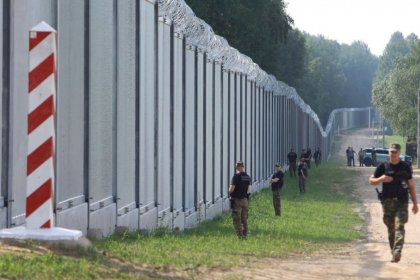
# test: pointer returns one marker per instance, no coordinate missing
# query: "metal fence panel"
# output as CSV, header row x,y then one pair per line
x,y
101,102
200,127
148,47
178,122
164,183
226,167
217,130
209,133
71,104
190,129
126,100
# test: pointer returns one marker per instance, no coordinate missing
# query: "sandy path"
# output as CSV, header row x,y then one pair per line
x,y
368,259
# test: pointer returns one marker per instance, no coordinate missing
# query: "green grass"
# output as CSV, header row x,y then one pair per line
x,y
390,139
320,219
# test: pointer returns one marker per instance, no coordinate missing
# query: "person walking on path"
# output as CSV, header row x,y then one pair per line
x,y
397,182
291,159
302,172
239,191
276,186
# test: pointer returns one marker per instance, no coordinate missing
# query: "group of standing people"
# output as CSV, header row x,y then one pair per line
x,y
240,186
304,164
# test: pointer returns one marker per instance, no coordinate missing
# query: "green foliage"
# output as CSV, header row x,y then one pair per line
x,y
336,75
260,29
395,95
327,75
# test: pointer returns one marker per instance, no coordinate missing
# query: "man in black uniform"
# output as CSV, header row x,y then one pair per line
x,y
396,178
317,157
239,191
308,157
291,158
276,185
303,173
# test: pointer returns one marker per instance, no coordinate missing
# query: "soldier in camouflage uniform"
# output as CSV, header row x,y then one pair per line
x,y
276,186
397,181
239,191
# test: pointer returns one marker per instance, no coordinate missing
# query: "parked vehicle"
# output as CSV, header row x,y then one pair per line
x,y
382,155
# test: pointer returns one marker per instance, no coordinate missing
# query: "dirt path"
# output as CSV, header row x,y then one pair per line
x,y
369,259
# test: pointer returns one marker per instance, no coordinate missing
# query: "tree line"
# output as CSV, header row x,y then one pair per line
x,y
326,74
397,82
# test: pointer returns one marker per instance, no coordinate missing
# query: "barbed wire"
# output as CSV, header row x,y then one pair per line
x,y
198,33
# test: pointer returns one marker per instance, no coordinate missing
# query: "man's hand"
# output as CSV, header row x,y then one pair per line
x,y
275,180
415,208
386,179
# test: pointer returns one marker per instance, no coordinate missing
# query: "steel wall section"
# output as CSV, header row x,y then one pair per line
x,y
147,115
209,133
232,123
70,118
242,120
226,166
102,113
126,106
217,109
178,123
164,183
190,191
238,126
200,127
247,121
254,132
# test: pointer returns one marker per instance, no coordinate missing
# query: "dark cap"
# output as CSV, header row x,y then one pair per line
x,y
239,163
395,147
278,164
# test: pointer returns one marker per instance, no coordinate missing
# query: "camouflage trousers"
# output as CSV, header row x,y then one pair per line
x,y
292,169
277,202
395,217
302,184
240,217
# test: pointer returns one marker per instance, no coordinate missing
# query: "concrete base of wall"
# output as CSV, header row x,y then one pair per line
x,y
102,221
129,220
179,221
218,206
210,211
3,217
148,220
73,218
165,219
226,204
201,213
191,220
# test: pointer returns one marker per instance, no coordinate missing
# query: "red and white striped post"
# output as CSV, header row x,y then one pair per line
x,y
41,126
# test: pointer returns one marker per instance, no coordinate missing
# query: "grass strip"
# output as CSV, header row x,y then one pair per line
x,y
321,218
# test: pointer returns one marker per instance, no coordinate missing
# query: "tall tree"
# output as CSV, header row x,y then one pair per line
x,y
359,66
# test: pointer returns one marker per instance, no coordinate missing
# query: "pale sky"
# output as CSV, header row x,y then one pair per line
x,y
370,21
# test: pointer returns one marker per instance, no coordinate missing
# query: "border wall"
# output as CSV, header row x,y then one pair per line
x,y
153,110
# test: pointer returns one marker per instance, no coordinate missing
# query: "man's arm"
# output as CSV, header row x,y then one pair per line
x,y
231,188
413,194
383,179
